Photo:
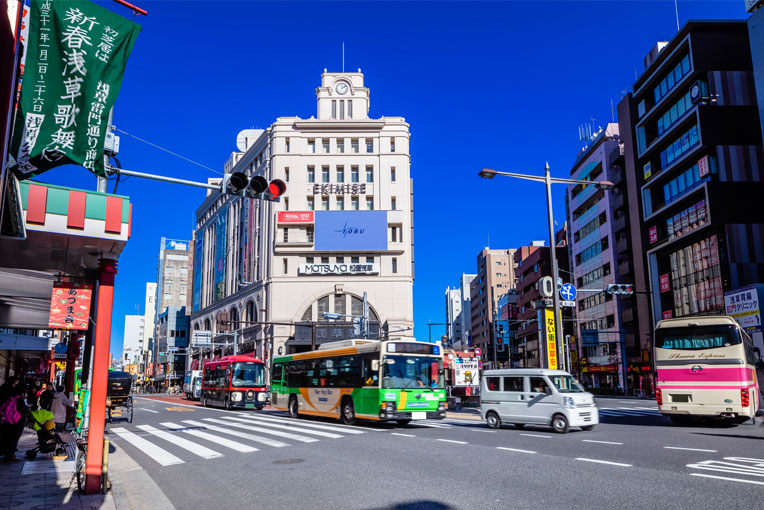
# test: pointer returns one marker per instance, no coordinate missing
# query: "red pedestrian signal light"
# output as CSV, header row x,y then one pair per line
x,y
620,289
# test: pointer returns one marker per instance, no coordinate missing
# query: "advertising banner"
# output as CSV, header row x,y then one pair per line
x,y
70,306
221,229
73,71
351,230
551,338
665,286
295,217
198,261
744,306
466,371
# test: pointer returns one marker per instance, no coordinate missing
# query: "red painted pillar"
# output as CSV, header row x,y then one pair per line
x,y
100,376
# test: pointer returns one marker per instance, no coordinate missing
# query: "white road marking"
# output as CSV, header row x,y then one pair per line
x,y
603,462
536,435
346,429
452,441
160,455
233,445
602,442
243,435
727,478
690,449
514,449
253,427
148,410
263,423
201,451
480,430
404,435
432,425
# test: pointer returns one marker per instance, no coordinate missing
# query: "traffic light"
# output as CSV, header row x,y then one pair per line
x,y
256,187
619,288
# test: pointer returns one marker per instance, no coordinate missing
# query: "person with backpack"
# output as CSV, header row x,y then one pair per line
x,y
13,417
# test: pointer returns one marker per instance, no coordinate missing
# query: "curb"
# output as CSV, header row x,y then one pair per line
x,y
131,486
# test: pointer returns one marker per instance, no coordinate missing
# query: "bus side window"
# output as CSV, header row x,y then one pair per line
x,y
276,374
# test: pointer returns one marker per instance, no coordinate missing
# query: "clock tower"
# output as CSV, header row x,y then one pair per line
x,y
342,96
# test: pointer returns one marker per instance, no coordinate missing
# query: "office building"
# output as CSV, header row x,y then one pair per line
x,y
172,340
458,313
343,230
133,340
693,181
495,275
756,36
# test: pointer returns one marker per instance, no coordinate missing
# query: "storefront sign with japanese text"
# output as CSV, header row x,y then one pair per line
x,y
664,282
551,338
70,306
74,66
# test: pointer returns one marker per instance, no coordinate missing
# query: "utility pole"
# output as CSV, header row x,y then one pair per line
x,y
553,257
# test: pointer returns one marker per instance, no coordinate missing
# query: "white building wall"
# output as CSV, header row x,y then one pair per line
x,y
149,316
133,343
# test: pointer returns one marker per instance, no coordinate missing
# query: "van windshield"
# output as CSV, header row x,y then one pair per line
x,y
566,384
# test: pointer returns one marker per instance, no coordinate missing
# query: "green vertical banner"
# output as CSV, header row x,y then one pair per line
x,y
75,61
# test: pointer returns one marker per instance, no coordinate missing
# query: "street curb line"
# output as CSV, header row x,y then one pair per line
x,y
131,486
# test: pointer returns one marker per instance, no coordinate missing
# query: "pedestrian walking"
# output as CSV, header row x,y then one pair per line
x,y
59,408
13,417
46,397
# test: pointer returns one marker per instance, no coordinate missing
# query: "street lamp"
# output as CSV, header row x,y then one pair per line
x,y
489,173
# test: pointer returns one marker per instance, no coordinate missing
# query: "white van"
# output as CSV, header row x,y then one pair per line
x,y
536,396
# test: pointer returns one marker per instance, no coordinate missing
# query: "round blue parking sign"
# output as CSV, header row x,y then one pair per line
x,y
568,292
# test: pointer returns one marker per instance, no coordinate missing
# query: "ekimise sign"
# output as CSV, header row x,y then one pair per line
x,y
75,61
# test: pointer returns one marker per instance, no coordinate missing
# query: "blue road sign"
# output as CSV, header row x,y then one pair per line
x,y
568,292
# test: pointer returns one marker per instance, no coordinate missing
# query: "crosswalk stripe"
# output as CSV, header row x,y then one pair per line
x,y
201,451
303,423
233,445
287,426
244,435
254,426
160,455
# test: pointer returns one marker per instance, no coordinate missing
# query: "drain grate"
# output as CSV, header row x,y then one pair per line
x,y
288,461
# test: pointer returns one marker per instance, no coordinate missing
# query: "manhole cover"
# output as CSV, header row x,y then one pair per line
x,y
289,461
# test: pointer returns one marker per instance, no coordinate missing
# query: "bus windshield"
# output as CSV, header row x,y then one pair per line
x,y
412,372
697,337
248,374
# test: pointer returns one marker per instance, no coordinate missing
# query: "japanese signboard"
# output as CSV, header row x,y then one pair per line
x,y
551,338
73,71
319,269
703,167
744,306
295,217
221,231
70,306
198,262
466,371
664,282
653,235
667,314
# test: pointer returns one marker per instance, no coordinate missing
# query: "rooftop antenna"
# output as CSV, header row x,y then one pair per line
x,y
676,11
343,56
612,111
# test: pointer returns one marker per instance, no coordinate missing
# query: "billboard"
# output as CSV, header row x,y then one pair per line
x,y
744,306
350,230
221,229
466,371
198,261
70,306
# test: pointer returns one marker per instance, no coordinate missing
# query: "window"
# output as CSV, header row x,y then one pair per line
x,y
324,174
310,234
311,174
369,173
286,203
354,260
308,260
513,384
354,177
312,146
392,174
392,144
286,235
354,203
311,205
350,108
340,260
334,109
369,203
323,306
286,266
674,113
673,77
684,183
341,146
325,204
326,146
369,145
680,146
340,203
395,264
354,145
340,173
393,204
324,260
538,385
394,234
288,144
369,260
492,384
342,109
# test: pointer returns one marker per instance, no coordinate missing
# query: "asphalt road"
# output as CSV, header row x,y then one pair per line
x,y
210,458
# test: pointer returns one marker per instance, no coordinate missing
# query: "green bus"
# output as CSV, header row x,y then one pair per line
x,y
397,380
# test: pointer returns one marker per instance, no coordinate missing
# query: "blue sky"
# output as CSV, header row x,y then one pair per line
x,y
503,85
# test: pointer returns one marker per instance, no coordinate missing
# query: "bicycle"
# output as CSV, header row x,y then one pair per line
x,y
80,465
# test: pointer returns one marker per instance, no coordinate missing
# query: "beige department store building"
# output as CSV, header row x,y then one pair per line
x,y
343,227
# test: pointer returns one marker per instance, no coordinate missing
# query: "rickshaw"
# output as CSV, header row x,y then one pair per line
x,y
118,395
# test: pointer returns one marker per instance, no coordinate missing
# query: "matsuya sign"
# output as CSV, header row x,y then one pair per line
x,y
75,61
319,269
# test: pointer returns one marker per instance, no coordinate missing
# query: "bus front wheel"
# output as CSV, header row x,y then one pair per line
x,y
294,410
347,413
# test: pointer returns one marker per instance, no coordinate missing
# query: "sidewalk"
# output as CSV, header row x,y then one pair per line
x,y
45,483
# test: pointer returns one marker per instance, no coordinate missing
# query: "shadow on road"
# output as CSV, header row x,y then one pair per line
x,y
417,505
739,436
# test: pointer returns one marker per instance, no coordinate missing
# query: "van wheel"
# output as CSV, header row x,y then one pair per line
x,y
587,427
560,423
493,420
347,413
294,410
